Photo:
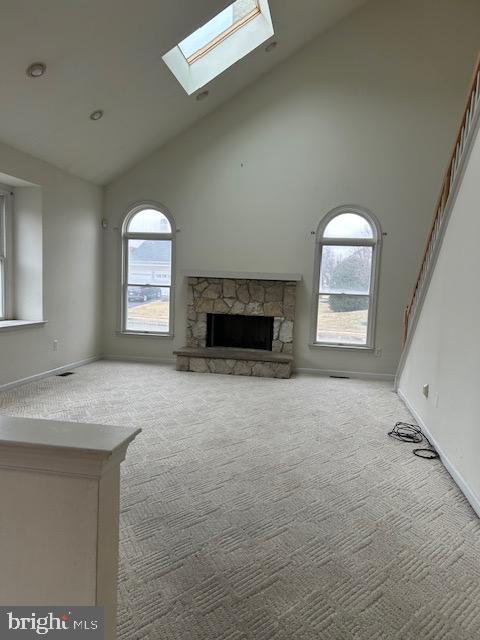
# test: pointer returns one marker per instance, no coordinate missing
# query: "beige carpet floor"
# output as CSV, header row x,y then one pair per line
x,y
256,509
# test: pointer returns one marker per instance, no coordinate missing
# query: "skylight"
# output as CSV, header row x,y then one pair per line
x,y
218,28
217,45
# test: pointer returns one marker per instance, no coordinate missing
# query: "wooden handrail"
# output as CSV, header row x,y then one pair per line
x,y
446,188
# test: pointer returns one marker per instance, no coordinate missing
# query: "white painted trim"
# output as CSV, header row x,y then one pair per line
x,y
457,477
361,375
52,446
129,213
221,57
347,347
242,275
144,334
6,252
46,374
139,359
9,325
376,244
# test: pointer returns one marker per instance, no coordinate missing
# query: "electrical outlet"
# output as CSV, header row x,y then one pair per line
x,y
426,390
55,345
378,353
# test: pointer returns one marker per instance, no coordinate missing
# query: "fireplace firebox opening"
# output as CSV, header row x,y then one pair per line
x,y
240,332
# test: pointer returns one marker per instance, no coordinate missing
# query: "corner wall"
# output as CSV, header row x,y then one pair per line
x,y
72,273
445,350
364,115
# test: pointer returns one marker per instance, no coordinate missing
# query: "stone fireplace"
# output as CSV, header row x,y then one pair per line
x,y
240,324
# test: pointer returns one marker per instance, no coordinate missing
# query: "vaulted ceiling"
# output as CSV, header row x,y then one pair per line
x,y
106,54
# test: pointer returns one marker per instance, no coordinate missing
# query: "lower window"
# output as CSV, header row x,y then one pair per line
x,y
342,319
148,309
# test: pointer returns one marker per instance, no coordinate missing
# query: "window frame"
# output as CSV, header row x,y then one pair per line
x,y
376,244
226,33
237,46
6,244
125,237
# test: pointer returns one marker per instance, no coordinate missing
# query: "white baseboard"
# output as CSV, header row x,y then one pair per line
x,y
140,359
362,375
46,374
459,480
314,372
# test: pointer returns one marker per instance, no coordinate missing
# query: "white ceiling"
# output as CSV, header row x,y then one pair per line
x,y
106,54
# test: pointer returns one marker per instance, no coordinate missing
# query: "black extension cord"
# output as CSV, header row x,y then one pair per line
x,y
406,432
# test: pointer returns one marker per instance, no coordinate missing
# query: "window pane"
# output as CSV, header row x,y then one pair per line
x,y
343,319
2,288
216,26
149,221
148,309
149,262
2,227
346,269
348,225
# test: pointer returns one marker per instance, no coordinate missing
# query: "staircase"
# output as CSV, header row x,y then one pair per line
x,y
451,183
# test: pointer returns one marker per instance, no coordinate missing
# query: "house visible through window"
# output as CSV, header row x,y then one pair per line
x,y
346,279
147,272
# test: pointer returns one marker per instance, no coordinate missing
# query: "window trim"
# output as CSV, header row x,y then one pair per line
x,y
376,244
222,36
124,238
6,248
3,259
239,44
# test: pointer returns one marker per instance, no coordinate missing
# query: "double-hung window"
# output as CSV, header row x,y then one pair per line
x,y
147,282
346,279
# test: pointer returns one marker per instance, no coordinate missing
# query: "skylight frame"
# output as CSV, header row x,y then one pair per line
x,y
224,35
231,49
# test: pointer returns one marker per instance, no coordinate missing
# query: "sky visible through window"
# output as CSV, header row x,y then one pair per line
x,y
149,221
348,225
216,27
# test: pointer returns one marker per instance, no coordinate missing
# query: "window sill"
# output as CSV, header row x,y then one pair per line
x,y
348,347
144,334
9,325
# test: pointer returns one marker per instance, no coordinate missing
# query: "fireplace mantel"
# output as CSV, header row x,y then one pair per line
x,y
242,275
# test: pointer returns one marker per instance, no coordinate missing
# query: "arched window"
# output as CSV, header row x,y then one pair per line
x,y
346,278
147,282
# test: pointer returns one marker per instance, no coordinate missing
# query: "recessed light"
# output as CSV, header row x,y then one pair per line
x,y
271,46
96,115
36,69
203,95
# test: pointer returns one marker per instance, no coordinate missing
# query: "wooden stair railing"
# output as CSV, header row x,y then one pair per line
x,y
471,111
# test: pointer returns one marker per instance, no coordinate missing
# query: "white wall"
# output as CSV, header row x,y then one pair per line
x,y
72,271
366,114
445,351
